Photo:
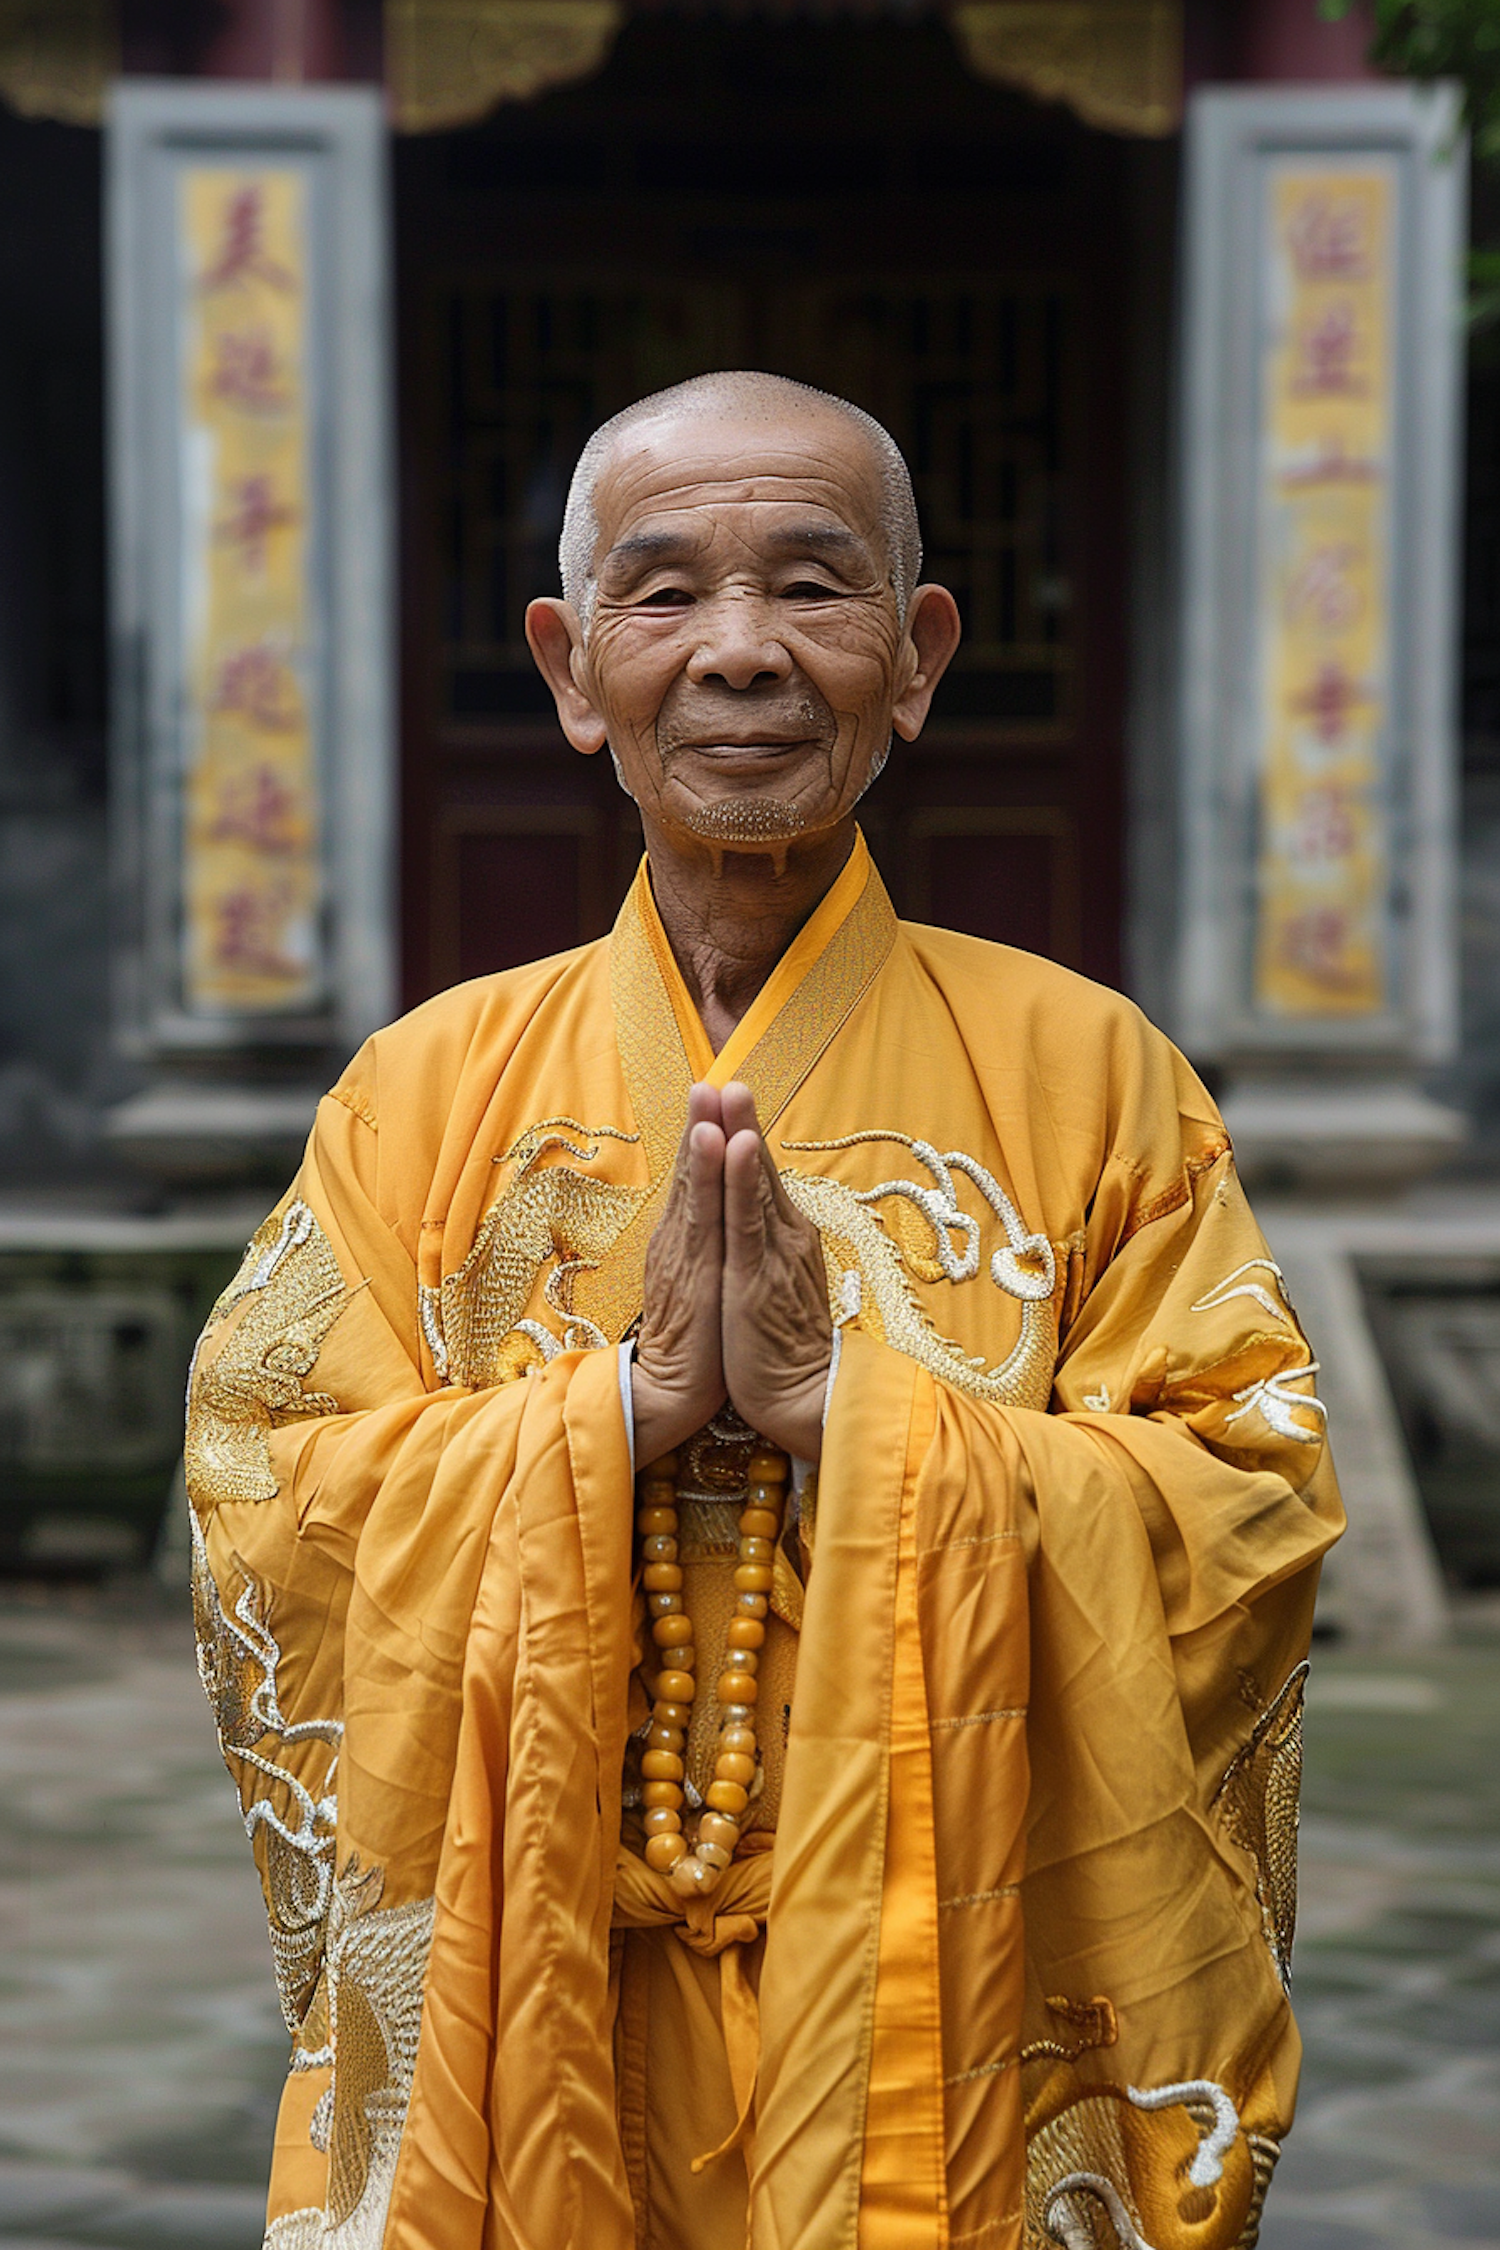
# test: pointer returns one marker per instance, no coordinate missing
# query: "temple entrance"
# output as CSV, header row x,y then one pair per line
x,y
846,207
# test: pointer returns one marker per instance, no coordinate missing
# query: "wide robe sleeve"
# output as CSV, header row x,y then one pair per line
x,y
363,1548
1110,1607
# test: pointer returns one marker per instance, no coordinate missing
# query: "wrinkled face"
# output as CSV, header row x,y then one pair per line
x,y
746,655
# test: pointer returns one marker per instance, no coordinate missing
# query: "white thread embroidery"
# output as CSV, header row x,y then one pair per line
x,y
939,1206
1097,1402
1075,2236
1207,2167
1227,1291
851,1294
432,1329
1274,1402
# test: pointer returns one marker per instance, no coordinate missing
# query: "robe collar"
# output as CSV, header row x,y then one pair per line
x,y
805,1002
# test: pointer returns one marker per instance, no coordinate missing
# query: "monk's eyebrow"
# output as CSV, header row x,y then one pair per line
x,y
821,539
640,549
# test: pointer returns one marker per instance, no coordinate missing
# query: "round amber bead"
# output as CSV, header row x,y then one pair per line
x,y
675,1687
672,1632
745,1632
661,1765
757,1550
714,1857
739,1739
663,1577
656,1523
663,1605
741,1660
669,1714
663,1820
733,1765
692,1875
754,1578
660,1547
662,1793
766,1467
751,1605
659,1737
759,1523
726,1797
717,1828
738,1687
665,1852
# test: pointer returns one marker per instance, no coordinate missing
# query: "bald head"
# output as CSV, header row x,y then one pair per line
x,y
738,395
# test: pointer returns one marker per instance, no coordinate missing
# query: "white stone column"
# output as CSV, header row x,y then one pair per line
x,y
253,788
1314,946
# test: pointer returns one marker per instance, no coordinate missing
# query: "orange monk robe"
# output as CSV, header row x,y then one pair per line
x,y
1028,1910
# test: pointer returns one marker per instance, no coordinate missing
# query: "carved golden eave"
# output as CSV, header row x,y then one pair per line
x,y
57,57
448,62
1116,63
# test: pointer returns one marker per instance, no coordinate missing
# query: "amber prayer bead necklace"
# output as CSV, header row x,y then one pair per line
x,y
694,1868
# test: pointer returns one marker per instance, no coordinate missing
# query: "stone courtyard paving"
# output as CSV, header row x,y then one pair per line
x,y
141,2049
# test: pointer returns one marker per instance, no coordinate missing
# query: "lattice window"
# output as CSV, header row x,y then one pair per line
x,y
972,378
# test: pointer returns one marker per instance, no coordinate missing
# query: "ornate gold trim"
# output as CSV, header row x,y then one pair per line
x,y
449,62
1116,63
57,57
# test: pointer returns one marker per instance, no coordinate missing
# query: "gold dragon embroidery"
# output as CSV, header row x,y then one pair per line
x,y
291,1813
879,1237
1258,1803
363,2029
474,1321
292,1290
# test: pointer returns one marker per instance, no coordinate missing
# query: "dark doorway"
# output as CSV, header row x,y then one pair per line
x,y
841,203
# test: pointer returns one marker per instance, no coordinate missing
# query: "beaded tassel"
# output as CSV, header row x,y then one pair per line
x,y
695,1868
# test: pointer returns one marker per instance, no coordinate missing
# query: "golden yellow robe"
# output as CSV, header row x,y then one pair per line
x,y
1029,1908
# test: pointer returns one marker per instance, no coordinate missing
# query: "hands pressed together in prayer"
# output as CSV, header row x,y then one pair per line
x,y
736,1302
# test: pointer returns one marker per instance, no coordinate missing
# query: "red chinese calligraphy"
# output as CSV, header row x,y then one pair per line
x,y
1327,240
1331,702
257,684
1324,831
1316,944
255,515
258,809
1322,589
248,925
246,372
242,254
1326,355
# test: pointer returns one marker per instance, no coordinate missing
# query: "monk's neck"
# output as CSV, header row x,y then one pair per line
x,y
730,916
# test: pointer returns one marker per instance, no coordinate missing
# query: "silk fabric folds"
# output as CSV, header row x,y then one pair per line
x,y
1031,1891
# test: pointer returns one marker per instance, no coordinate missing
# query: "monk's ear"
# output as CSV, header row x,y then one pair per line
x,y
933,630
555,636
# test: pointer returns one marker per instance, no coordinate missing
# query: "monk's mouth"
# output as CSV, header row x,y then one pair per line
x,y
745,755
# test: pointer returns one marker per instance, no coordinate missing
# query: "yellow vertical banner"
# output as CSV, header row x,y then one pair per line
x,y
1324,596
250,830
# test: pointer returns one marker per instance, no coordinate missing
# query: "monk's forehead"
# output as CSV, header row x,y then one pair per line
x,y
682,462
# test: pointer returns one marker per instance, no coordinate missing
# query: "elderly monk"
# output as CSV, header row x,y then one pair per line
x,y
756,1505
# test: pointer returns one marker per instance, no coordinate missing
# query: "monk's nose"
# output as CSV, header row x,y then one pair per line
x,y
738,647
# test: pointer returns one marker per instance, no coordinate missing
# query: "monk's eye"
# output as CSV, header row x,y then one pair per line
x,y
809,590
667,597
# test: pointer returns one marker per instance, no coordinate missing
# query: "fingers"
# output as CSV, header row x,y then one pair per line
x,y
705,1182
705,1106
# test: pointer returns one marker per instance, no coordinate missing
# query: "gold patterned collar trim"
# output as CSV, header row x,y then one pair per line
x,y
809,995
803,1005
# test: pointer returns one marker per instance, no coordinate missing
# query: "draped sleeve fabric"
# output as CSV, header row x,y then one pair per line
x,y
363,1536
1114,1600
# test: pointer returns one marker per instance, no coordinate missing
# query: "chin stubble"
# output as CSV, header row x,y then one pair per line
x,y
746,820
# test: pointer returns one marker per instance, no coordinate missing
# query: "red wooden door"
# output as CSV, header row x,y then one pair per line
x,y
878,225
